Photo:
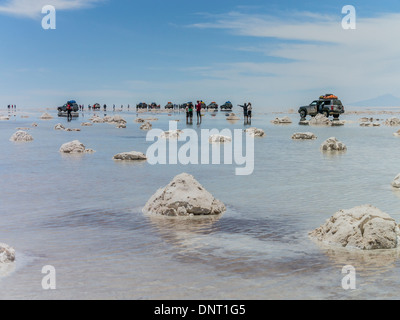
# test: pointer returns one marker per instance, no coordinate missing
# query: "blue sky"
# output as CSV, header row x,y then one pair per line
x,y
276,54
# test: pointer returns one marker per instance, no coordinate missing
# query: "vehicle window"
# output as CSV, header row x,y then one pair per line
x,y
327,103
337,102
313,103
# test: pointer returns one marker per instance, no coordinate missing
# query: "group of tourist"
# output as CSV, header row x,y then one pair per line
x,y
247,112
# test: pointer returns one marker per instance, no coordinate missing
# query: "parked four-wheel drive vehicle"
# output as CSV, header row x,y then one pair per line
x,y
75,107
141,105
227,106
328,105
169,105
213,105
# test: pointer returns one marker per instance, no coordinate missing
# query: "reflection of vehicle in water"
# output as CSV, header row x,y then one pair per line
x,y
169,105
227,106
141,105
96,106
75,107
213,106
328,105
154,106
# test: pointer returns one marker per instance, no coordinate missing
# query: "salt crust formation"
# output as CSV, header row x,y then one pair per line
x,y
184,196
130,156
21,136
74,147
364,227
333,144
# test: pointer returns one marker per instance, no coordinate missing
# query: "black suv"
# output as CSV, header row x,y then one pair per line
x,y
328,105
75,107
227,106
213,106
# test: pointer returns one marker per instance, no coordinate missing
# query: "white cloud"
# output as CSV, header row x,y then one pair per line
x,y
318,53
33,8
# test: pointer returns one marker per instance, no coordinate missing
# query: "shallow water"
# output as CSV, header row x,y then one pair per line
x,y
82,215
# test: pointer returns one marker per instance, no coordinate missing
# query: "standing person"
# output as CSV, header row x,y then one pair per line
x,y
105,108
245,112
198,111
69,112
8,107
191,107
113,107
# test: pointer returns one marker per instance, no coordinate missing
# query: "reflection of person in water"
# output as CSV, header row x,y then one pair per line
x,y
69,112
249,112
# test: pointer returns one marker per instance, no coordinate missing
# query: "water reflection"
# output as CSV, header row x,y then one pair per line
x,y
367,262
176,229
396,192
6,269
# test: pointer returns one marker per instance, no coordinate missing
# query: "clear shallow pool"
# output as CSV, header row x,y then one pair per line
x,y
82,215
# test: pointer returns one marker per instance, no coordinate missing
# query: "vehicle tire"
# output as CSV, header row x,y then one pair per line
x,y
326,114
303,114
336,116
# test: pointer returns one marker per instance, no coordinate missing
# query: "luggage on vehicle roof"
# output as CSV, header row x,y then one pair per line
x,y
328,96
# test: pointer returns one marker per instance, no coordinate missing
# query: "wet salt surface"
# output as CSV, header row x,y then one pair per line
x,y
82,215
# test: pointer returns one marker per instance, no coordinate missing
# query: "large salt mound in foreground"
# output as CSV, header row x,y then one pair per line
x,y
364,227
184,196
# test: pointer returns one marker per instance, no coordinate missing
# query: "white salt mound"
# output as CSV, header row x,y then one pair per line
x,y
396,182
96,119
117,120
173,134
333,144
46,116
130,156
7,254
284,120
364,227
255,132
146,126
184,196
392,122
304,136
370,124
217,138
320,120
59,126
74,147
21,136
